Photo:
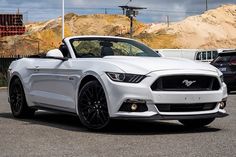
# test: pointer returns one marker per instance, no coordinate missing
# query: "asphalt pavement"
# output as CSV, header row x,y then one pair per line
x,y
55,134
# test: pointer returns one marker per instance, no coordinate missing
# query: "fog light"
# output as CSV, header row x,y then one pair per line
x,y
134,107
222,104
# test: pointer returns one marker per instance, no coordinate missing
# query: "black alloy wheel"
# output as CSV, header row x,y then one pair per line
x,y
92,106
18,102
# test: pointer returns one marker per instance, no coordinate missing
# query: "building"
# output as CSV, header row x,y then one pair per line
x,y
11,24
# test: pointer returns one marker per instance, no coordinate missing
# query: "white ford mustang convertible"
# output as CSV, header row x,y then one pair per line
x,y
100,78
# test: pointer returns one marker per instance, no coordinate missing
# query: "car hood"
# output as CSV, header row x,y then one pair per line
x,y
145,65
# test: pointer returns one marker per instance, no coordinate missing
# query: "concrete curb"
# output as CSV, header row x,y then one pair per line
x,y
3,88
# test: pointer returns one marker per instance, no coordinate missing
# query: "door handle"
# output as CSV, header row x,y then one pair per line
x,y
36,68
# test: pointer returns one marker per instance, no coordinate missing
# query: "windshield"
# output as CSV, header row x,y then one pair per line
x,y
101,47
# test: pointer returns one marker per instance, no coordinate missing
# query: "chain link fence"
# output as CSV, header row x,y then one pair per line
x,y
146,16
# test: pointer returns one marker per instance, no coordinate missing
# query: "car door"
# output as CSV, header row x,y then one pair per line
x,y
53,84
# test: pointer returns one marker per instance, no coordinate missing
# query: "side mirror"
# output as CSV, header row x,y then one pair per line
x,y
56,54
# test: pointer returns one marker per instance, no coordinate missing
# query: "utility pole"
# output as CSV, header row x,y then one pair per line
x,y
62,19
131,26
206,5
168,20
38,47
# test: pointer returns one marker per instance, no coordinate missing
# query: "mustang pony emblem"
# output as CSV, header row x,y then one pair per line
x,y
188,83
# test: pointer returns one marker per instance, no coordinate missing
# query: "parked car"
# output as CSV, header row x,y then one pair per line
x,y
208,55
192,54
226,63
100,78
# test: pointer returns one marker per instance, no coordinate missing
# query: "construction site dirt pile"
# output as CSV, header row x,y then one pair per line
x,y
213,29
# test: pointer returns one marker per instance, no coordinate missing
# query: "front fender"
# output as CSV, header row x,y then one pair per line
x,y
99,78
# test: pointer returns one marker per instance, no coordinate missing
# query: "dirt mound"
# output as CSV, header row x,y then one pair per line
x,y
214,29
42,36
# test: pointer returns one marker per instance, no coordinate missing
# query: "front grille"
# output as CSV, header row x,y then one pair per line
x,y
185,107
186,83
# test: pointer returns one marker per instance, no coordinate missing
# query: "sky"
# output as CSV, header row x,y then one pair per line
x,y
157,10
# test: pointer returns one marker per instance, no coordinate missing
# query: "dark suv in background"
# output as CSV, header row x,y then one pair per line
x,y
226,63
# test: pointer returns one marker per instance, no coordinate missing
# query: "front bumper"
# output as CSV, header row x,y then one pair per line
x,y
219,114
117,93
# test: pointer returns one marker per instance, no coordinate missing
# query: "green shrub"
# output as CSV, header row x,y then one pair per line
x,y
3,81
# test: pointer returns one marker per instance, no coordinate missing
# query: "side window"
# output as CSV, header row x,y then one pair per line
x,y
198,56
209,55
204,55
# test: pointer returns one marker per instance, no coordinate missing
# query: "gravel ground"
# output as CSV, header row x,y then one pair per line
x,y
54,134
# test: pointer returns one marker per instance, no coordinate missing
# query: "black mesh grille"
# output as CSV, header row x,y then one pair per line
x,y
186,83
185,107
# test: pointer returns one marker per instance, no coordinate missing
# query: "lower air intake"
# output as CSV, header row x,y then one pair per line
x,y
185,107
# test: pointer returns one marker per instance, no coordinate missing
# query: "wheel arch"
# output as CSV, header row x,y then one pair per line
x,y
90,76
25,110
13,77
85,80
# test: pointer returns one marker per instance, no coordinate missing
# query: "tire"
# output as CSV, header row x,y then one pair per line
x,y
19,107
196,123
92,106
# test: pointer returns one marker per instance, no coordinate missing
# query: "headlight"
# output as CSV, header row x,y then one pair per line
x,y
123,77
222,78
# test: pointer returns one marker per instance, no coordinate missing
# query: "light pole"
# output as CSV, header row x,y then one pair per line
x,y
168,20
62,19
206,5
131,12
